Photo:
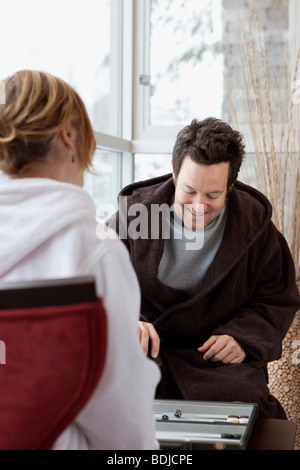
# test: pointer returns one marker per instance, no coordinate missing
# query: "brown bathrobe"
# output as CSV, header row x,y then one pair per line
x,y
249,293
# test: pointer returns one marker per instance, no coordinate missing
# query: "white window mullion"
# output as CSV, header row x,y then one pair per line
x,y
110,142
116,65
127,171
126,176
127,70
139,69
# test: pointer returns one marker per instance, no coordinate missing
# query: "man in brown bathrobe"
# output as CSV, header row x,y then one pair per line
x,y
217,278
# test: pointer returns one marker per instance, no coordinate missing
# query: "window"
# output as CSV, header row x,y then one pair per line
x,y
79,41
179,62
65,39
185,52
103,184
188,64
148,166
144,69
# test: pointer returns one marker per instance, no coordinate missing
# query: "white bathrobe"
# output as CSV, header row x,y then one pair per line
x,y
48,230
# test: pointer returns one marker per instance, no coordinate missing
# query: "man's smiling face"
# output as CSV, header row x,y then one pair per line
x,y
200,192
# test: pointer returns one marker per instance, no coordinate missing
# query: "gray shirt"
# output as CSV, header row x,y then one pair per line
x,y
188,253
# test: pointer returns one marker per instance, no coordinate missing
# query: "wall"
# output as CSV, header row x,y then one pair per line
x,y
273,17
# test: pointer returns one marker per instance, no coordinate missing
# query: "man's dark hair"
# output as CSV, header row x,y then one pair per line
x,y
209,142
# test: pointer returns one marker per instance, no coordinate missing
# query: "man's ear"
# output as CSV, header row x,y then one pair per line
x,y
173,172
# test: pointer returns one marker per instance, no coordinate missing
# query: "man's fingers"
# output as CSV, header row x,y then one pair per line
x,y
148,333
222,348
155,343
208,344
144,337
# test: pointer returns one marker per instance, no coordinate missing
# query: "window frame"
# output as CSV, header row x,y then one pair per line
x,y
121,73
145,136
137,136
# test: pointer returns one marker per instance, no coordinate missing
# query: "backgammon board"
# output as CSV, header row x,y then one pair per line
x,y
195,425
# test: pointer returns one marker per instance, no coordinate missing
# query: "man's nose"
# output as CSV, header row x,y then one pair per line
x,y
200,201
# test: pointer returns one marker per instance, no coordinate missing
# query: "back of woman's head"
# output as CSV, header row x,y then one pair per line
x,y
37,106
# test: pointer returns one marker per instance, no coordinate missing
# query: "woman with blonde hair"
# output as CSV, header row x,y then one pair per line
x,y
48,230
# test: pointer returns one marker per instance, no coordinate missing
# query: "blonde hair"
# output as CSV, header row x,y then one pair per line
x,y
37,105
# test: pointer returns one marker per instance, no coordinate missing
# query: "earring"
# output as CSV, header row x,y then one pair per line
x,y
73,159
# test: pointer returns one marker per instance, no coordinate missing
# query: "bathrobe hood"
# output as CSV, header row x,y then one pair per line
x,y
44,209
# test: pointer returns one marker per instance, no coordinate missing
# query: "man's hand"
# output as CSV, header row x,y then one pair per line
x,y
147,332
224,349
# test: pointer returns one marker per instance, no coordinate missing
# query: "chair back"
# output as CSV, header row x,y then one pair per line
x,y
53,344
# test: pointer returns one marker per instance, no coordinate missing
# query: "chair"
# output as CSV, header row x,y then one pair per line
x,y
53,336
